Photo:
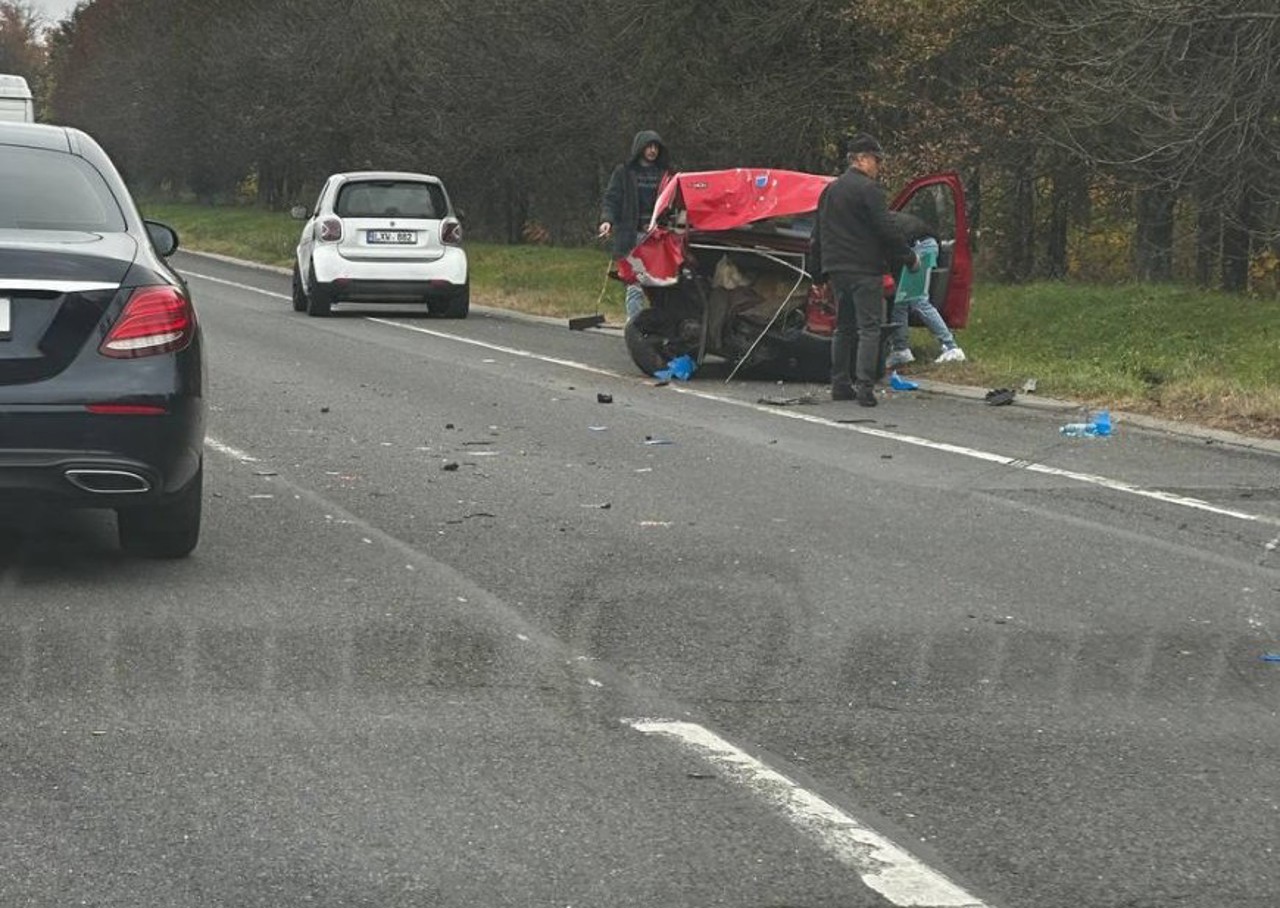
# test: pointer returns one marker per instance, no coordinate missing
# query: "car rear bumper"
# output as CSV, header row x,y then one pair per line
x,y
331,267
391,291
69,456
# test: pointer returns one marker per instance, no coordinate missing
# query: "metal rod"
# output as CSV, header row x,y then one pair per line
x,y
752,348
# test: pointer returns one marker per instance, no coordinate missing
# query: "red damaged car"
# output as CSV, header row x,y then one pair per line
x,y
724,266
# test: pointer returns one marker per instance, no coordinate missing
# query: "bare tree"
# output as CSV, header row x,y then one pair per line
x,y
1182,99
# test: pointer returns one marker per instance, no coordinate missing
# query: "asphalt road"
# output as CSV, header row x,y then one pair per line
x,y
459,634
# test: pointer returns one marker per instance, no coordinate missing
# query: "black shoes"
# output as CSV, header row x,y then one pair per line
x,y
863,393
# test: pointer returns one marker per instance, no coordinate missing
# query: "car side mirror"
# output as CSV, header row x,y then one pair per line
x,y
298,212
163,237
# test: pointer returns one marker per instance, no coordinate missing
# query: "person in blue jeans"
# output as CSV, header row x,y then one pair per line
x,y
912,295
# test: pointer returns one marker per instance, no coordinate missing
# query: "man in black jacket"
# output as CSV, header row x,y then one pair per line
x,y
854,245
628,201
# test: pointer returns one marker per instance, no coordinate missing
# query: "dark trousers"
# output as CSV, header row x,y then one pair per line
x,y
855,346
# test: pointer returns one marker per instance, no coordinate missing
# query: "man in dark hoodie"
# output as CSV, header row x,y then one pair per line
x,y
628,201
854,245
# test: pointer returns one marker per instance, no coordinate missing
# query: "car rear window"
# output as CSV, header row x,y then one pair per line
x,y
52,190
391,198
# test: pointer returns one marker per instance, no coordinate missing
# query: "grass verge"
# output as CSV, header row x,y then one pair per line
x,y
1176,352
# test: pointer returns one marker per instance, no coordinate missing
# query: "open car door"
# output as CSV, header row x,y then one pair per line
x,y
938,199
724,266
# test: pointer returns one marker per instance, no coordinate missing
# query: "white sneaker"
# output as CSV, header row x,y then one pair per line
x,y
954,355
899,358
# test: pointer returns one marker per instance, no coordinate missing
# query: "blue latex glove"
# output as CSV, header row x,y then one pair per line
x,y
681,368
898,383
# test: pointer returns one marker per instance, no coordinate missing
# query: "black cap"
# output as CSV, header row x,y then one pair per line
x,y
863,143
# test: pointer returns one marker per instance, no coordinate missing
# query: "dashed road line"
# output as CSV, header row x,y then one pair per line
x,y
233,453
883,865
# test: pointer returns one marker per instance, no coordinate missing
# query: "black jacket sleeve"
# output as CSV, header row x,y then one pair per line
x,y
611,206
815,242
890,234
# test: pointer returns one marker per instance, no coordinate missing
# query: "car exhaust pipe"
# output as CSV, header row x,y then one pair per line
x,y
109,482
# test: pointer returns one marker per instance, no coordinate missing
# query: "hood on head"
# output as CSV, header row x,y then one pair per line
x,y
643,138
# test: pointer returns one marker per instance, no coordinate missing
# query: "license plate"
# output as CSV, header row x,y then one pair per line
x,y
6,318
393,237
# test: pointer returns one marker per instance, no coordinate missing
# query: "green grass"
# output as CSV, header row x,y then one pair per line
x,y
1162,349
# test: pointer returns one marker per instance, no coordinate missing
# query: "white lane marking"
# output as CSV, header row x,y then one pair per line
x,y
238,286
883,865
1115,485
498,348
233,453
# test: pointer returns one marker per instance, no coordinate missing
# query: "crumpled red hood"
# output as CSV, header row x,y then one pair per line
x,y
717,200
724,199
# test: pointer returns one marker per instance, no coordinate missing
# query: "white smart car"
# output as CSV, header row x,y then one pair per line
x,y
381,237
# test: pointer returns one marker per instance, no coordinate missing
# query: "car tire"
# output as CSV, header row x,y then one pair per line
x,y
170,529
319,298
299,296
648,348
455,306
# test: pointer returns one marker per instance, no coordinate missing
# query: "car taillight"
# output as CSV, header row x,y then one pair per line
x,y
125,409
451,233
330,230
155,320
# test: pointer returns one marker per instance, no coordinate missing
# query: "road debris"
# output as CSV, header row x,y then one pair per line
x,y
800,401
602,398
680,368
999,397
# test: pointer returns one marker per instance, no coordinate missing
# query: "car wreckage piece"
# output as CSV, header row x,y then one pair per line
x,y
724,269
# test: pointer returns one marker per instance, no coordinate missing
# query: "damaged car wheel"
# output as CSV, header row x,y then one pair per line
x,y
654,339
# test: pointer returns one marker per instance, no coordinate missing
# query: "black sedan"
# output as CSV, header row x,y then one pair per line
x,y
101,369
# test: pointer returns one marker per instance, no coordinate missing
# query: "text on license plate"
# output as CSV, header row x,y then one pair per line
x,y
6,318
395,237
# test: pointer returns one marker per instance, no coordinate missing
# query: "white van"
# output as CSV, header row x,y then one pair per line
x,y
15,100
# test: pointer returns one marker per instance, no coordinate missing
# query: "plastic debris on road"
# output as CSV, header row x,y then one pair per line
x,y
788,401
898,383
681,368
1098,427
